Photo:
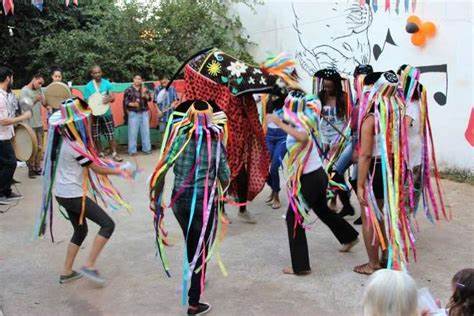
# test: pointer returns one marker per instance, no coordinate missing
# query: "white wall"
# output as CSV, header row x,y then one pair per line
x,y
326,38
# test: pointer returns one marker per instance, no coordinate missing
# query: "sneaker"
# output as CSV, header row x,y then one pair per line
x,y
71,277
247,218
4,200
116,157
93,275
14,196
147,153
201,309
101,154
358,221
15,181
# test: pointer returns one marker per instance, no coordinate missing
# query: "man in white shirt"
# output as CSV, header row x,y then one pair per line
x,y
7,155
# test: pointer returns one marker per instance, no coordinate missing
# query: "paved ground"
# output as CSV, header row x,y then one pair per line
x,y
253,254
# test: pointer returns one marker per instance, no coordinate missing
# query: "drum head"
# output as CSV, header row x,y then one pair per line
x,y
24,143
96,104
95,99
56,93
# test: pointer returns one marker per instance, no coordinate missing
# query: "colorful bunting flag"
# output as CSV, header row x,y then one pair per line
x,y
38,4
469,134
8,6
74,2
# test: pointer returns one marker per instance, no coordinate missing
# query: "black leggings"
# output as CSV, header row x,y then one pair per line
x,y
93,212
313,188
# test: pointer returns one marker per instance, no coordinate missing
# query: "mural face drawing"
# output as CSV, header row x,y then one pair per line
x,y
348,45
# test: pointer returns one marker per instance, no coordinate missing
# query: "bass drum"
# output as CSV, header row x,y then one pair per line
x,y
24,143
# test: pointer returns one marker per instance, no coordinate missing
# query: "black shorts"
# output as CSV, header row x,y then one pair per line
x,y
377,182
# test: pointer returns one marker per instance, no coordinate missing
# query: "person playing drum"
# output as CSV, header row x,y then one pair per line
x,y
102,125
32,91
7,155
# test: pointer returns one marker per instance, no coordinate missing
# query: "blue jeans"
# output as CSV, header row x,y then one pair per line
x,y
345,159
276,144
138,121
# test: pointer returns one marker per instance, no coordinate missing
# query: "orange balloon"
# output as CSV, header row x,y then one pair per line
x,y
429,29
414,19
418,39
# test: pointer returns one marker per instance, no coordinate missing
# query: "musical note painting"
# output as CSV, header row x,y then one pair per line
x,y
346,38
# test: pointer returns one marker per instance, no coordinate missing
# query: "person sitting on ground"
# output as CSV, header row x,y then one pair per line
x,y
390,293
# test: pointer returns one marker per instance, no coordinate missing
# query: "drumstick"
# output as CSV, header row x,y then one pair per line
x,y
333,126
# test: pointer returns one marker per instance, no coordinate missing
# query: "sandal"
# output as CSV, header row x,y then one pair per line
x,y
289,270
365,269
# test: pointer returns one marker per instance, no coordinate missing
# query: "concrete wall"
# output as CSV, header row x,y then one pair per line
x,y
320,34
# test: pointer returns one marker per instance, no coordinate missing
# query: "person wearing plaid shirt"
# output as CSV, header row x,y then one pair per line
x,y
183,167
135,105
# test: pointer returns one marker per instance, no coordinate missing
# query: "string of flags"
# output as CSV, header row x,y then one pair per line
x,y
9,5
389,4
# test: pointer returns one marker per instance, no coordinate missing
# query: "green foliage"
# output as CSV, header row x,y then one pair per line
x,y
458,175
123,39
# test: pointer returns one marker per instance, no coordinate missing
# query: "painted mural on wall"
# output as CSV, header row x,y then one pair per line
x,y
348,43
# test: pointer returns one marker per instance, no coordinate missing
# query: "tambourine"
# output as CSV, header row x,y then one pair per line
x,y
24,143
97,105
56,93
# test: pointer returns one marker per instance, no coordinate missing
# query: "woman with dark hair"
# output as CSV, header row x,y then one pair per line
x,y
333,106
56,74
307,183
348,155
462,300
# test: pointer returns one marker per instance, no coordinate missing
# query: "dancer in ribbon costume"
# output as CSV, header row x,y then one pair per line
x,y
384,218
307,180
336,107
194,145
420,154
214,75
348,154
72,169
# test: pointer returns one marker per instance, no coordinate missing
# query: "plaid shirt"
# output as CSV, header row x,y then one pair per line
x,y
133,95
184,165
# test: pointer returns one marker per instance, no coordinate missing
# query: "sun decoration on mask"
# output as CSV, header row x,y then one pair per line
x,y
214,68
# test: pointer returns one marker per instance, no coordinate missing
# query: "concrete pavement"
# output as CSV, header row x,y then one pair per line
x,y
253,254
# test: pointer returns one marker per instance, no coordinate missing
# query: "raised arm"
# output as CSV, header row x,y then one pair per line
x,y
300,136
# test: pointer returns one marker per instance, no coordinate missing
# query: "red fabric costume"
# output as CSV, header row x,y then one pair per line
x,y
246,144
